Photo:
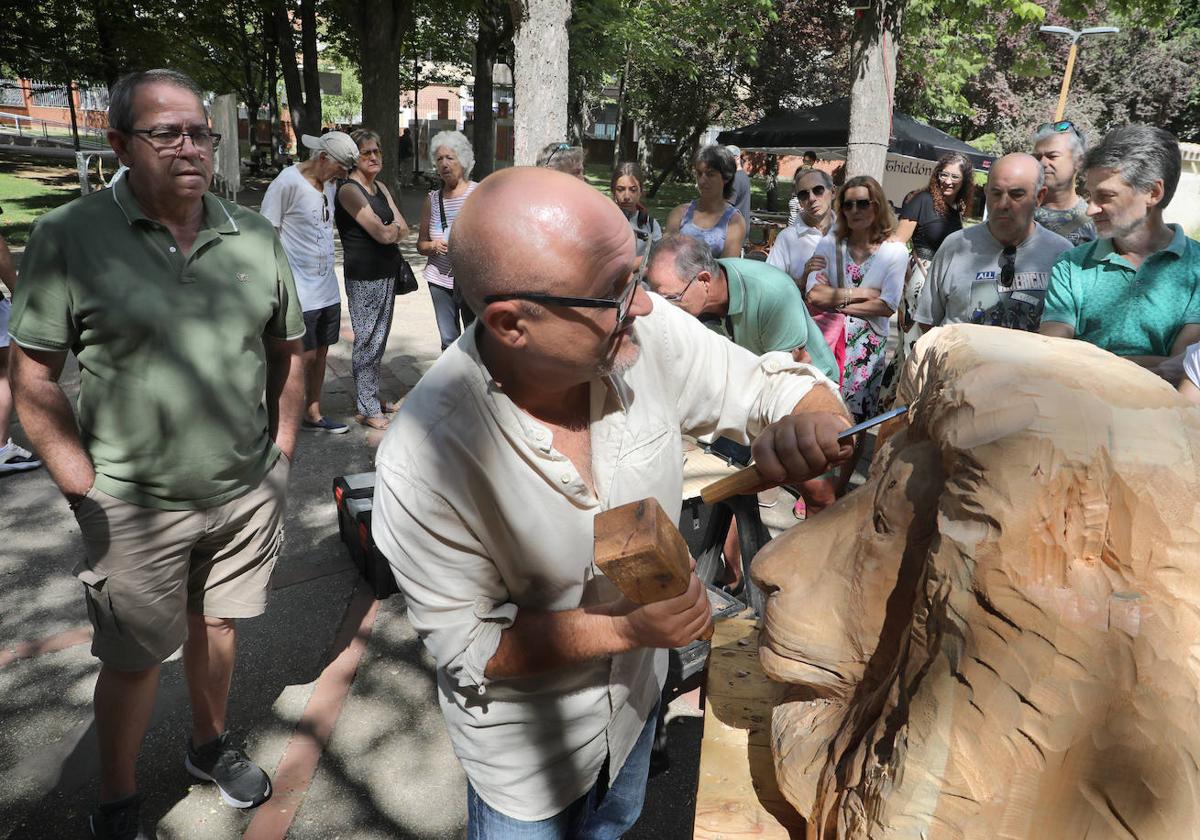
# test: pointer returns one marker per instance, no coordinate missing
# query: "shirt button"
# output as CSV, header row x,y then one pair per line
x,y
566,479
172,249
541,435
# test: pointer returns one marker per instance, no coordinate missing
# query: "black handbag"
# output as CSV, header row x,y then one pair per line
x,y
406,280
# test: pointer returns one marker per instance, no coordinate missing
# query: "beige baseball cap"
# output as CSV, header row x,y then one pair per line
x,y
336,144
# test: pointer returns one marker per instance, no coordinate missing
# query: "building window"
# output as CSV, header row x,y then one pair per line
x,y
443,109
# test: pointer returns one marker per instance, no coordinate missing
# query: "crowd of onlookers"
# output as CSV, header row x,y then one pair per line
x,y
202,328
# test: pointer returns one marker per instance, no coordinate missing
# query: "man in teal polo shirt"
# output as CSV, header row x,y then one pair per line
x,y
1135,291
755,305
182,312
758,307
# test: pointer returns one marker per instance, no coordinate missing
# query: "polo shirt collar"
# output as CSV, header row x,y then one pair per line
x,y
216,217
737,298
1104,252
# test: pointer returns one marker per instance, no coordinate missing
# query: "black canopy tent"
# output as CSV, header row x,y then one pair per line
x,y
825,129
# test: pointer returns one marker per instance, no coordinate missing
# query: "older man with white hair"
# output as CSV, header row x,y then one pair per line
x,y
1060,148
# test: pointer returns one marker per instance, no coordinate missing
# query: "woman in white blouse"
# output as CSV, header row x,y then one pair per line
x,y
859,274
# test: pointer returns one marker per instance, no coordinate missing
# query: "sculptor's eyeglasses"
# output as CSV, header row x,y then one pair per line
x,y
1008,266
817,191
621,303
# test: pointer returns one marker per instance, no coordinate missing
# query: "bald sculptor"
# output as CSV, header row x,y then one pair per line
x,y
553,409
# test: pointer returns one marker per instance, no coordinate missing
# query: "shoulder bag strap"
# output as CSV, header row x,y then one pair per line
x,y
442,208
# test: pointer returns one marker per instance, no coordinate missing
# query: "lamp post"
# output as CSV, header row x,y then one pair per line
x,y
1074,36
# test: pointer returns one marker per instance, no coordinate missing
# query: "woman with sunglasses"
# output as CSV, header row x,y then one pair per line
x,y
926,220
863,280
812,191
370,226
626,191
453,159
711,217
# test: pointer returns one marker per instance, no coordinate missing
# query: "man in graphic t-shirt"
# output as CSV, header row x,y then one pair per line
x,y
996,273
299,203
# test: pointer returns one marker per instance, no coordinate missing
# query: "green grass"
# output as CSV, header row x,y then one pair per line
x,y
25,197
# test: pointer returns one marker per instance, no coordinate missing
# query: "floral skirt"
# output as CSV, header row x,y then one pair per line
x,y
864,368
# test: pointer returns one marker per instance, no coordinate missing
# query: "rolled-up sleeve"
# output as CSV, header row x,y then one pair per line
x,y
721,388
456,599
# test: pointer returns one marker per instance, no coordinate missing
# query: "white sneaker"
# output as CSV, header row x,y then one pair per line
x,y
13,458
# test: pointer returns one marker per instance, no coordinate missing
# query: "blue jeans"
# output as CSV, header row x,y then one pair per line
x,y
452,313
597,815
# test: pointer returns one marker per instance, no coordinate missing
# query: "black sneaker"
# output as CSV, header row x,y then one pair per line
x,y
242,783
119,820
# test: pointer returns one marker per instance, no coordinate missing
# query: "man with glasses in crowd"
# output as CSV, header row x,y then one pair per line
x,y
299,203
1060,148
1133,291
181,309
568,397
995,273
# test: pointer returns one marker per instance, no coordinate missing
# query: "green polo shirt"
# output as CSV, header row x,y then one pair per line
x,y
1125,310
172,362
767,312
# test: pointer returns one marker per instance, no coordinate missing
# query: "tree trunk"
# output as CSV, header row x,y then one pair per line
x,y
493,32
381,32
873,79
618,135
291,74
541,75
312,78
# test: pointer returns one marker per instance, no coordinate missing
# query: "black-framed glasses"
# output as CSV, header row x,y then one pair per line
x,y
858,204
621,304
1060,127
1008,266
818,191
169,139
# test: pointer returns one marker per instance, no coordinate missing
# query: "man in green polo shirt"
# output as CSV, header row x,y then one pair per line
x,y
1135,291
182,312
755,305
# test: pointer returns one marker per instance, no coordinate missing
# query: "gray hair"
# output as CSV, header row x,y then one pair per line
x,y
810,170
720,160
1142,154
456,142
1078,143
120,101
692,255
561,156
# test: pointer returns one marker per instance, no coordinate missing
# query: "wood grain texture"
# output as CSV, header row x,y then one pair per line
x,y
641,551
737,796
996,636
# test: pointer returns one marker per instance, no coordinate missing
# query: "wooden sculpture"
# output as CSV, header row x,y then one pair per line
x,y
998,636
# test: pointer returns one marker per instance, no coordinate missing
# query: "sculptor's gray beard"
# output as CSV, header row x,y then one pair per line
x,y
625,356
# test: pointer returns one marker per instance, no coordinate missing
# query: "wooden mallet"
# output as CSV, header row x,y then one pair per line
x,y
642,552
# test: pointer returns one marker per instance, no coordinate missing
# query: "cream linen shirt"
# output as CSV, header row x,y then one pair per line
x,y
480,517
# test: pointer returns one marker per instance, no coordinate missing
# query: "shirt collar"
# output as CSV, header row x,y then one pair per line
x,y
737,297
216,217
1104,252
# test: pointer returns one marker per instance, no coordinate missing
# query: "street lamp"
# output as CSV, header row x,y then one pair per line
x,y
1074,36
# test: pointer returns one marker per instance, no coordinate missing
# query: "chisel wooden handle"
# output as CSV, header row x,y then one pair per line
x,y
742,481
745,480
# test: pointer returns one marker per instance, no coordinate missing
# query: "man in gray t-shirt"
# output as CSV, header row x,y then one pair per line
x,y
995,273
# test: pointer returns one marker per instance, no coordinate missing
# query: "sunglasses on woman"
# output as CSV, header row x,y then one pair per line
x,y
857,204
817,191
